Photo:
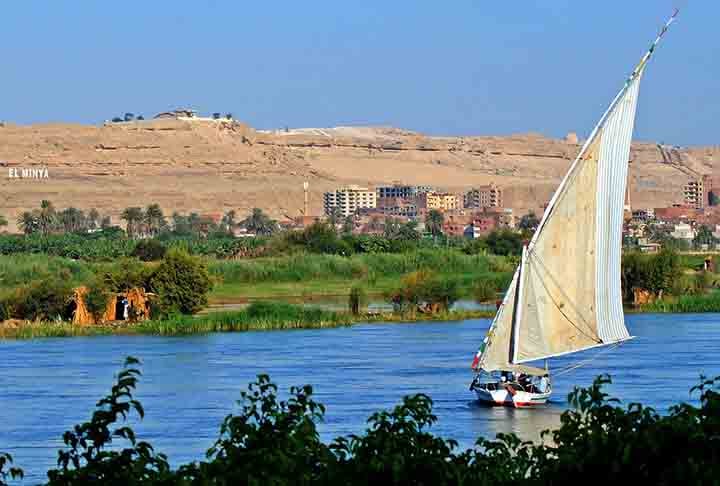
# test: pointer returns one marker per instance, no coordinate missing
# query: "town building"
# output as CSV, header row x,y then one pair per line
x,y
643,214
683,231
456,224
440,201
489,196
178,114
401,191
349,200
481,225
397,206
694,194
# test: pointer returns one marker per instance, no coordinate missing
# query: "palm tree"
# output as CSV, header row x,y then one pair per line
x,y
72,220
228,220
3,221
134,217
349,224
154,219
106,222
335,216
259,223
28,222
434,222
93,219
47,218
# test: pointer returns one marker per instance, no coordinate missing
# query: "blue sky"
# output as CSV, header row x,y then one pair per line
x,y
462,67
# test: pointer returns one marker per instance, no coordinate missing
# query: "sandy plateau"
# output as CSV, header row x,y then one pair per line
x,y
211,167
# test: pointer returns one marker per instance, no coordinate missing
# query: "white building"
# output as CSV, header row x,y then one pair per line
x,y
683,231
349,200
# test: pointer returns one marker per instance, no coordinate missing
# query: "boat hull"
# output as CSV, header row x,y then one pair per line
x,y
518,399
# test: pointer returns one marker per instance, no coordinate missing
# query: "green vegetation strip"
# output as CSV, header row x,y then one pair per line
x,y
259,316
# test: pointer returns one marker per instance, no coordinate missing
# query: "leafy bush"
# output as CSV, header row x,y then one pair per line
x,y
656,273
46,299
421,287
356,299
149,250
127,274
505,242
96,298
484,291
181,282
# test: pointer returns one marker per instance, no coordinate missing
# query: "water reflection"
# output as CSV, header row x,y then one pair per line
x,y
489,421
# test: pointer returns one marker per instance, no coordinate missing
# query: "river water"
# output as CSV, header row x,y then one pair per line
x,y
190,383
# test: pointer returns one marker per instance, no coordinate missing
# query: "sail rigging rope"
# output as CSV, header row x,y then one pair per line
x,y
575,366
590,336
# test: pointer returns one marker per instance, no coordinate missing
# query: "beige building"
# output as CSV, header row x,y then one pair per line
x,y
349,200
489,196
694,194
439,201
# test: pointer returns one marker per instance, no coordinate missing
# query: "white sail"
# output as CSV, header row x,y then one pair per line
x,y
566,295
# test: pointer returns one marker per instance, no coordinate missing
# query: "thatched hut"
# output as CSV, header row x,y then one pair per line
x,y
132,305
81,314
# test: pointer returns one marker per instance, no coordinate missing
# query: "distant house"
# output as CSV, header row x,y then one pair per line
x,y
683,231
177,114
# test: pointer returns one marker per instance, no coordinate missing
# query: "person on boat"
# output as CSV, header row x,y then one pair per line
x,y
544,384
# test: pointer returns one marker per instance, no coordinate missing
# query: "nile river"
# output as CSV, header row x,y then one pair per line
x,y
191,383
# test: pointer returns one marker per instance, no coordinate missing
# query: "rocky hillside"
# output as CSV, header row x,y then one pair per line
x,y
209,166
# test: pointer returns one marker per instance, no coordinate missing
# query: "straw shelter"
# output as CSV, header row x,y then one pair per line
x,y
81,314
138,307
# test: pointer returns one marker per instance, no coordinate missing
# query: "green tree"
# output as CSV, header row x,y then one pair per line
x,y
47,217
434,222
335,216
106,222
348,225
96,299
93,219
3,221
182,283
28,222
133,217
529,223
356,299
259,223
505,242
229,219
704,236
149,250
713,198
72,220
154,219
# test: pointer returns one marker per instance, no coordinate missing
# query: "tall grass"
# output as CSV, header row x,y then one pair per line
x,y
297,268
20,269
687,303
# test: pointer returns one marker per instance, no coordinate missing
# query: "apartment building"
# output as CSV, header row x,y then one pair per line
x,y
694,194
401,191
349,200
440,201
489,196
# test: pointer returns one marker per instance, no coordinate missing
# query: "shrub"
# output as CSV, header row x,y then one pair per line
x,y
46,299
356,300
182,283
149,250
126,274
484,291
96,298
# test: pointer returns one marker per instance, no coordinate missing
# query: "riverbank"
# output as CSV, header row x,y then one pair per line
x,y
257,317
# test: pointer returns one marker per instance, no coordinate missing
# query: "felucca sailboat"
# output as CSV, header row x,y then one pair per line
x,y
565,295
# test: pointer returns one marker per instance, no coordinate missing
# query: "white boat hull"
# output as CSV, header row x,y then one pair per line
x,y
518,399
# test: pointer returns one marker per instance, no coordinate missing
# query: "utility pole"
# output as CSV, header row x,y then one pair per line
x,y
305,205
